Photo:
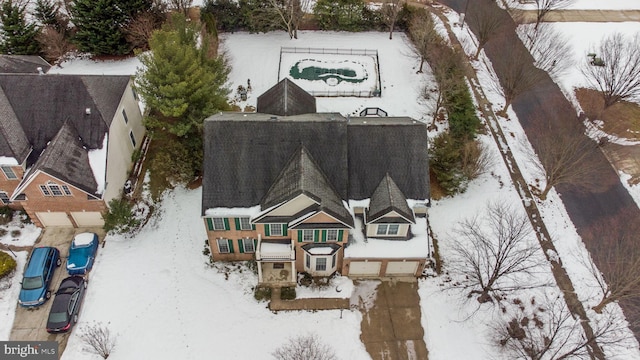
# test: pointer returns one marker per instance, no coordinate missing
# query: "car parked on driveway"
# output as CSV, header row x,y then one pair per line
x,y
37,276
66,304
82,253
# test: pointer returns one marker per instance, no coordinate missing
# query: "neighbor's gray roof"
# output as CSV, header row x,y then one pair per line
x,y
34,109
386,198
302,175
245,153
22,64
286,99
42,103
67,159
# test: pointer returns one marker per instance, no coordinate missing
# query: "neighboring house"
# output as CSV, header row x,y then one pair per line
x,y
66,143
316,193
23,64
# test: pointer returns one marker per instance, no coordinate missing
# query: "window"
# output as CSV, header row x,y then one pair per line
x,y
52,189
321,264
307,235
223,246
124,115
333,261
248,245
135,94
278,265
4,197
388,229
218,224
8,172
133,138
307,261
245,224
275,229
332,235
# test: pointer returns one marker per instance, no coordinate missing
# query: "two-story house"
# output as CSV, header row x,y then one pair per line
x,y
66,144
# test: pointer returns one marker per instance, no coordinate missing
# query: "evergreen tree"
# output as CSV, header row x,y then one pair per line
x,y
47,13
18,37
100,24
181,85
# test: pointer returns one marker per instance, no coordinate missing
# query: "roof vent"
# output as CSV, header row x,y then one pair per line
x,y
273,118
40,72
87,111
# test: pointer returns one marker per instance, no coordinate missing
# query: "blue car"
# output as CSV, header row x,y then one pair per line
x,y
37,276
82,253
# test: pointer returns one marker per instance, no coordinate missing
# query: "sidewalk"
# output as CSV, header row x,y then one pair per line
x,y
529,16
277,304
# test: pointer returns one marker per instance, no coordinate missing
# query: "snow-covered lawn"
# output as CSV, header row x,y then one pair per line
x,y
160,297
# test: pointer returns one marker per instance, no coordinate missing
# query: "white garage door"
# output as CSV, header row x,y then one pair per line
x,y
402,268
89,218
364,268
54,219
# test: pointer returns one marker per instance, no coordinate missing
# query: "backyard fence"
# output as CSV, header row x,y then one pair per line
x,y
354,93
297,50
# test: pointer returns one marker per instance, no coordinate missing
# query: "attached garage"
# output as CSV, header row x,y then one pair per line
x,y
54,219
88,218
364,268
402,268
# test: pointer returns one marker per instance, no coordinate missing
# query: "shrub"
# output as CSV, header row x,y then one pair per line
x,y
120,217
6,214
3,232
7,264
346,15
24,217
98,338
445,163
16,233
288,293
262,293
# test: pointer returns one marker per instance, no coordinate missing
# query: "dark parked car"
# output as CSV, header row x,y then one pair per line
x,y
82,253
66,304
37,276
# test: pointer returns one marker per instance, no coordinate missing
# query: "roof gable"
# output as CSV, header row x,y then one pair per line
x,y
302,175
285,99
386,199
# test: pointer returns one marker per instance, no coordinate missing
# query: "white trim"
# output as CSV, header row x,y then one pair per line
x,y
226,243
267,211
27,181
370,221
291,225
248,222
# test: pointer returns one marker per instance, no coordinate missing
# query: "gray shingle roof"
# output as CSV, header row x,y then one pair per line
x,y
67,159
243,157
39,105
302,175
386,198
22,64
286,99
245,153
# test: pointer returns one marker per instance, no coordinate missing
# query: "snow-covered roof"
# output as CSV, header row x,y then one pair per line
x,y
416,247
320,250
233,212
98,163
271,248
6,160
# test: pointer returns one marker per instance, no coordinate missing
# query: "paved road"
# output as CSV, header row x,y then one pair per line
x,y
584,207
529,16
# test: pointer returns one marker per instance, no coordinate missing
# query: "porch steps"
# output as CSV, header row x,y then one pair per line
x,y
278,304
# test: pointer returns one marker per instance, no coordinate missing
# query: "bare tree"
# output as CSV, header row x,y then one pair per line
x,y
290,13
548,331
306,347
476,159
139,30
390,10
565,154
617,75
99,339
494,253
487,23
617,255
182,6
544,7
548,47
516,73
444,65
423,34
53,43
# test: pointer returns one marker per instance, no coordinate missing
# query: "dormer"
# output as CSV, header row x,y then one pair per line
x,y
389,215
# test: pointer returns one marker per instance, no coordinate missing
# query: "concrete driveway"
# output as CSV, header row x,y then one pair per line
x,y
391,327
30,324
